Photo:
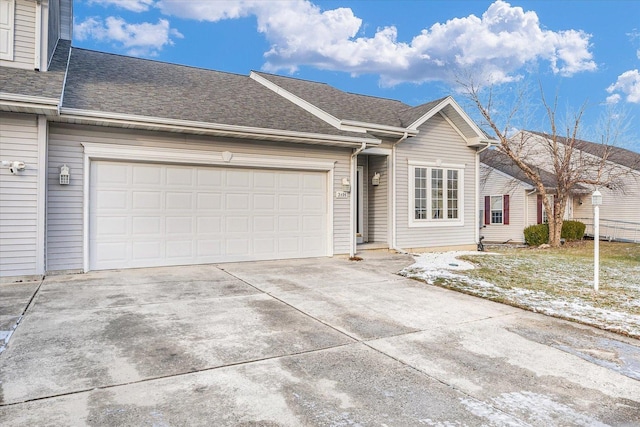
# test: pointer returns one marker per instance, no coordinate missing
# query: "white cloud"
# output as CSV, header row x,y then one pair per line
x,y
143,39
132,5
628,84
495,47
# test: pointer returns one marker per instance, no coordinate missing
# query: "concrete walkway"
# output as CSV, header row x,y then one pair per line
x,y
303,342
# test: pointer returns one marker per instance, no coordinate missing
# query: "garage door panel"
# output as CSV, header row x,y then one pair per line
x,y
265,202
151,174
264,224
208,177
208,224
209,201
237,224
146,225
182,200
179,249
153,214
113,174
237,201
146,250
146,200
178,177
111,199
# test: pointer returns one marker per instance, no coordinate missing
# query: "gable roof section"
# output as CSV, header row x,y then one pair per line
x,y
345,110
34,91
339,104
119,87
501,162
618,155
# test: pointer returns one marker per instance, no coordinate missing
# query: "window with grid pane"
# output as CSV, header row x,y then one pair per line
x,y
420,188
437,200
452,194
496,210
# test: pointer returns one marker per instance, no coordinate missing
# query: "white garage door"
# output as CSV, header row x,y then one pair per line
x,y
144,215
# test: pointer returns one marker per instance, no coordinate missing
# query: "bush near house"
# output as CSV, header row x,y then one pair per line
x,y
572,230
536,235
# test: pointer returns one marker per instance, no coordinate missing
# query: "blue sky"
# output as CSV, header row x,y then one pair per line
x,y
583,52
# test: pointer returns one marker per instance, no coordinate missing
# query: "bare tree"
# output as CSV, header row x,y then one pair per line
x,y
558,152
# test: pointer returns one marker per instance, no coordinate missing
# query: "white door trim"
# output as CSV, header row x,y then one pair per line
x,y
360,189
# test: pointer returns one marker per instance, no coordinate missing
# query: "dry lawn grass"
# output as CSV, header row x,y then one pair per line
x,y
559,282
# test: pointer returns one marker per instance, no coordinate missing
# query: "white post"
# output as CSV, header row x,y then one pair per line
x,y
596,247
596,201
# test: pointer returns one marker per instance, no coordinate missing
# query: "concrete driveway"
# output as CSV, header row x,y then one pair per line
x,y
326,342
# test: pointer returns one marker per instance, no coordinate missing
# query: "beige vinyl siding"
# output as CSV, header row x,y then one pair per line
x,y
616,206
497,184
53,27
437,140
24,36
66,19
378,200
65,203
19,196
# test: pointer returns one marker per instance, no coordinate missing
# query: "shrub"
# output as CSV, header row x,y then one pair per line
x,y
536,235
572,230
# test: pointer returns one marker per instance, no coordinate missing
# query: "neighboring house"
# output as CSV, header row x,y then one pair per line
x,y
512,203
138,163
620,210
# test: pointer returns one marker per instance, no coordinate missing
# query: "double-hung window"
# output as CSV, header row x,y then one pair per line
x,y
496,210
435,194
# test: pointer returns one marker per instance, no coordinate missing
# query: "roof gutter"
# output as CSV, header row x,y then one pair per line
x,y
394,130
28,102
144,122
352,199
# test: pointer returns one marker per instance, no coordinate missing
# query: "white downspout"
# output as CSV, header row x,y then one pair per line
x,y
38,42
352,210
477,234
394,222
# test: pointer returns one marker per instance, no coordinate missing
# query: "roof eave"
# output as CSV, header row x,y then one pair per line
x,y
28,104
216,129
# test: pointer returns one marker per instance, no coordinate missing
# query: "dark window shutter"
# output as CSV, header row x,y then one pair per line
x,y
540,209
487,210
505,207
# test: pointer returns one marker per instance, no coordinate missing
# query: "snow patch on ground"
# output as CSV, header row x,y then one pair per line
x,y
443,267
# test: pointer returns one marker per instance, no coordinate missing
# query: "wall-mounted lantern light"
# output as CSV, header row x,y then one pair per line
x,y
64,175
375,181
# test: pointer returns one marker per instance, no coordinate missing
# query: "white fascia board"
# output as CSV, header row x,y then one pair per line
x,y
28,102
307,106
394,130
213,128
452,102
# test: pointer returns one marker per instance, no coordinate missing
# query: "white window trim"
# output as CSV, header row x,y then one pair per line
x,y
10,28
491,210
428,222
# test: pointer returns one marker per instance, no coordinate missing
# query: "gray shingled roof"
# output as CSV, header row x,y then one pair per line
x,y
111,83
618,155
34,83
504,164
351,106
